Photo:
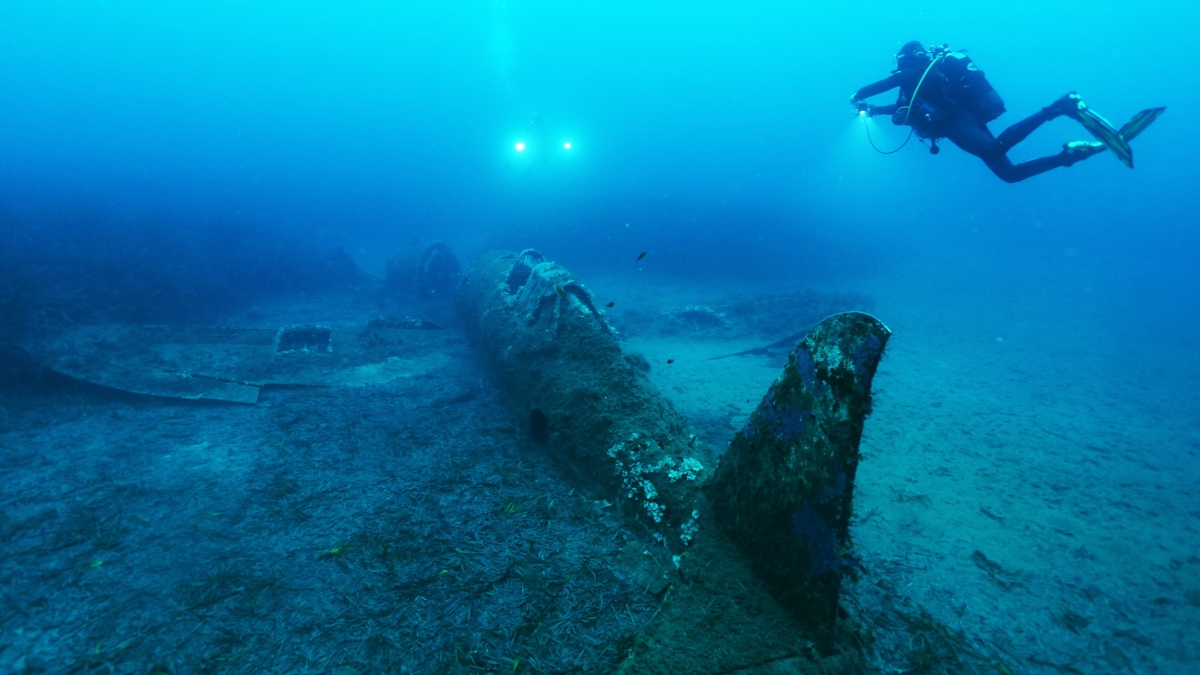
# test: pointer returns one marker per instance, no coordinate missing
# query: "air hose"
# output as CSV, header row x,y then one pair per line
x,y
887,152
908,111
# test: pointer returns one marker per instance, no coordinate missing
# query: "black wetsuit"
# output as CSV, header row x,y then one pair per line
x,y
963,127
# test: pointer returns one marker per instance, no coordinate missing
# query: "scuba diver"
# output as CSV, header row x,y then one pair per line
x,y
944,95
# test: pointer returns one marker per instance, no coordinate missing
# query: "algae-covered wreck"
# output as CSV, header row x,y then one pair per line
x,y
758,540
742,553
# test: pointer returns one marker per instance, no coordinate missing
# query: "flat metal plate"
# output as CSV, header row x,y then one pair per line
x,y
233,364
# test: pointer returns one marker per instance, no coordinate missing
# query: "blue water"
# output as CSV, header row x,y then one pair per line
x,y
704,126
173,162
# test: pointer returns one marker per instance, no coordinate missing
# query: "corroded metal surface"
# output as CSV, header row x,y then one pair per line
x,y
562,369
758,548
233,363
784,489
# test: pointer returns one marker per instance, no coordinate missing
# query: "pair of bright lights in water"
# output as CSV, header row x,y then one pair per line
x,y
520,146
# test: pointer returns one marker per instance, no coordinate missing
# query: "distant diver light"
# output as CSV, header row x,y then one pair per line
x,y
567,145
520,146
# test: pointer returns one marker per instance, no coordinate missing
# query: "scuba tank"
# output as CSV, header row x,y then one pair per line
x,y
951,81
965,85
954,81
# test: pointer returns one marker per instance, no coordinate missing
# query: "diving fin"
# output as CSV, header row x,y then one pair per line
x,y
1106,133
1138,123
1076,151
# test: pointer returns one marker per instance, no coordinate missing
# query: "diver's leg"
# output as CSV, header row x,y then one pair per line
x,y
1066,105
1021,130
1008,172
973,136
967,132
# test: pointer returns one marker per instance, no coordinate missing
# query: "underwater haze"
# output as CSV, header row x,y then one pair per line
x,y
705,126
1032,465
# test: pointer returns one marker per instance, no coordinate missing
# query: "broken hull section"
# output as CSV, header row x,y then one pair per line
x,y
759,545
784,489
562,370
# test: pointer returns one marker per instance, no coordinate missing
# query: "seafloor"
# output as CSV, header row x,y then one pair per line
x,y
1027,502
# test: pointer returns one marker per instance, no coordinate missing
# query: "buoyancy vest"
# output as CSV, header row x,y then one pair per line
x,y
965,86
951,82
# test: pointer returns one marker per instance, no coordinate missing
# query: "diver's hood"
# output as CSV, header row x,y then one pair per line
x,y
912,55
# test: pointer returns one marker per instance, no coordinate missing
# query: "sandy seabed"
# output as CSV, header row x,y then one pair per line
x,y
1031,476
1028,496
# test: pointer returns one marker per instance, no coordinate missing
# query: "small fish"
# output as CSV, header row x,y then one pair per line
x,y
611,305
561,293
670,361
643,255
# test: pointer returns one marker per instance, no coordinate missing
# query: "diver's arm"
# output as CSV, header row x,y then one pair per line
x,y
874,89
889,109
